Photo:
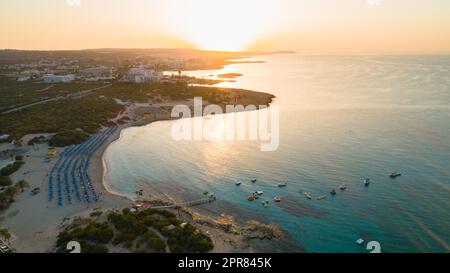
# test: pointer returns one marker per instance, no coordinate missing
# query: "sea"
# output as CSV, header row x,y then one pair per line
x,y
341,119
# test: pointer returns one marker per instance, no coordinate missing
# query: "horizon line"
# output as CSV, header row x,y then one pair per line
x,y
237,52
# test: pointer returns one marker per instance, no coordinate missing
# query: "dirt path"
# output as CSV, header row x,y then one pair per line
x,y
77,94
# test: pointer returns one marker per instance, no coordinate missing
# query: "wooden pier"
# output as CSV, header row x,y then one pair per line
x,y
193,203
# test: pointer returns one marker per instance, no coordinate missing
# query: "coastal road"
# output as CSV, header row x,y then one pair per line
x,y
71,95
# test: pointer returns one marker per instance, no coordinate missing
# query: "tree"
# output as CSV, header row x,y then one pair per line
x,y
22,184
4,233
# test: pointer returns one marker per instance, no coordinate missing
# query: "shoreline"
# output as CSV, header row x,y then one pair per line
x,y
47,219
225,240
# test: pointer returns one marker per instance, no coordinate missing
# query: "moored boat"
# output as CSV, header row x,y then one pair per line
x,y
277,199
308,195
282,185
394,174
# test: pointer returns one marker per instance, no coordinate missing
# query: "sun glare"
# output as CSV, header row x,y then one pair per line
x,y
222,25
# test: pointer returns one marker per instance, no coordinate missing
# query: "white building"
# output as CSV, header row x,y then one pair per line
x,y
50,78
141,75
23,78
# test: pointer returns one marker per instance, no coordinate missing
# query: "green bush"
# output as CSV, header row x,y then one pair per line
x,y
66,138
136,232
11,168
189,240
91,238
154,242
7,197
37,140
5,181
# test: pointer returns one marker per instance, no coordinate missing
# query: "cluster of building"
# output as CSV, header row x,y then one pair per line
x,y
66,71
142,75
101,73
50,78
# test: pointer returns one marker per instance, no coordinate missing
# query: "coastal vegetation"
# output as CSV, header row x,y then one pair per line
x,y
4,234
71,119
74,119
181,237
147,231
15,94
68,137
22,185
12,168
7,197
92,238
37,140
5,181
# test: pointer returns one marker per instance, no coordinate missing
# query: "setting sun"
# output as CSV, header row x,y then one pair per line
x,y
222,25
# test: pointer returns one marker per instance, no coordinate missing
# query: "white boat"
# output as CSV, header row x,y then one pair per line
x,y
308,195
321,197
259,192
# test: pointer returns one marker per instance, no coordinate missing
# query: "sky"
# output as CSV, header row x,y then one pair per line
x,y
306,26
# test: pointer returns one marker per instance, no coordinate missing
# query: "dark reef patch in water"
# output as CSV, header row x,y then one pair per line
x,y
293,206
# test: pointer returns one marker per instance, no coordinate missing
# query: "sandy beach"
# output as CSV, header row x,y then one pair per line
x,y
34,222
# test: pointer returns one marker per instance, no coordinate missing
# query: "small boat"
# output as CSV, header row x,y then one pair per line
x,y
277,199
366,182
308,195
360,241
253,180
333,192
251,198
205,192
238,183
265,203
343,187
282,185
394,174
259,193
321,197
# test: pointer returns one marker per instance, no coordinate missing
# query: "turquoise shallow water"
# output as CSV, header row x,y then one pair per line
x,y
342,118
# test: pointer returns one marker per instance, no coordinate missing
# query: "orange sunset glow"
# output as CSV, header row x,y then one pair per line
x,y
357,26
